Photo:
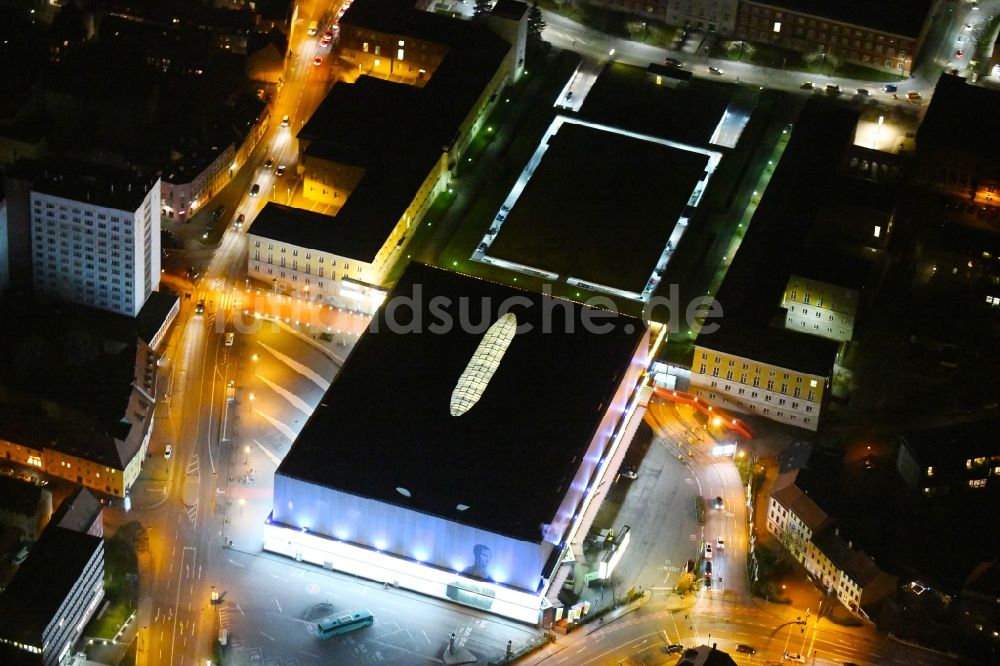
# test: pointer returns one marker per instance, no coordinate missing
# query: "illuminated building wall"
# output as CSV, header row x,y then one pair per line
x,y
328,181
302,271
820,308
437,556
402,58
753,386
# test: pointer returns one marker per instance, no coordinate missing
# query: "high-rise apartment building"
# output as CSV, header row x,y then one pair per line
x,y
96,243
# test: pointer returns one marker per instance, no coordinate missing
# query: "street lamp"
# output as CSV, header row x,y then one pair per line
x,y
246,458
251,402
254,357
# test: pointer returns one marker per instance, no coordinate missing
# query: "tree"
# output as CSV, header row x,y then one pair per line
x,y
482,8
684,583
536,24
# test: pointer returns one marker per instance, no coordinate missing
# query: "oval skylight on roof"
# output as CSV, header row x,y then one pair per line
x,y
484,362
403,491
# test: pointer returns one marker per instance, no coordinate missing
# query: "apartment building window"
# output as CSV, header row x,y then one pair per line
x,y
701,368
770,384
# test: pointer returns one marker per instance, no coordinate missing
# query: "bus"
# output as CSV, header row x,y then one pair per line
x,y
334,626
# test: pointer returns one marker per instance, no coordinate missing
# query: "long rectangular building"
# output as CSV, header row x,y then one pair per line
x,y
458,450
382,144
762,358
51,597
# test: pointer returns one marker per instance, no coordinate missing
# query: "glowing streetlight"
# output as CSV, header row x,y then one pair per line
x,y
243,503
246,451
254,357
252,396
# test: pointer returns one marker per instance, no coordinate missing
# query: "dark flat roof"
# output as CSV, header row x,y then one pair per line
x,y
772,249
626,96
386,422
954,443
398,145
121,191
154,313
43,582
316,231
901,17
600,206
510,9
19,496
954,120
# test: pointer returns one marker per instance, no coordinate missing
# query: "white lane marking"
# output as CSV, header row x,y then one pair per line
x,y
293,399
281,427
306,372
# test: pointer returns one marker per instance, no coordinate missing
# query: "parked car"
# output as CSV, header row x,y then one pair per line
x,y
199,307
673,647
268,163
708,551
716,71
863,92
318,60
789,656
630,473
672,62
720,544
746,649
284,120
832,89
890,88
239,221
217,213
255,190
230,338
913,96
231,390
807,85
280,171
719,503
168,451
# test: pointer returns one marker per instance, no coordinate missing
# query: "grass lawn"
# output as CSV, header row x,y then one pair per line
x,y
853,71
768,55
120,569
653,33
